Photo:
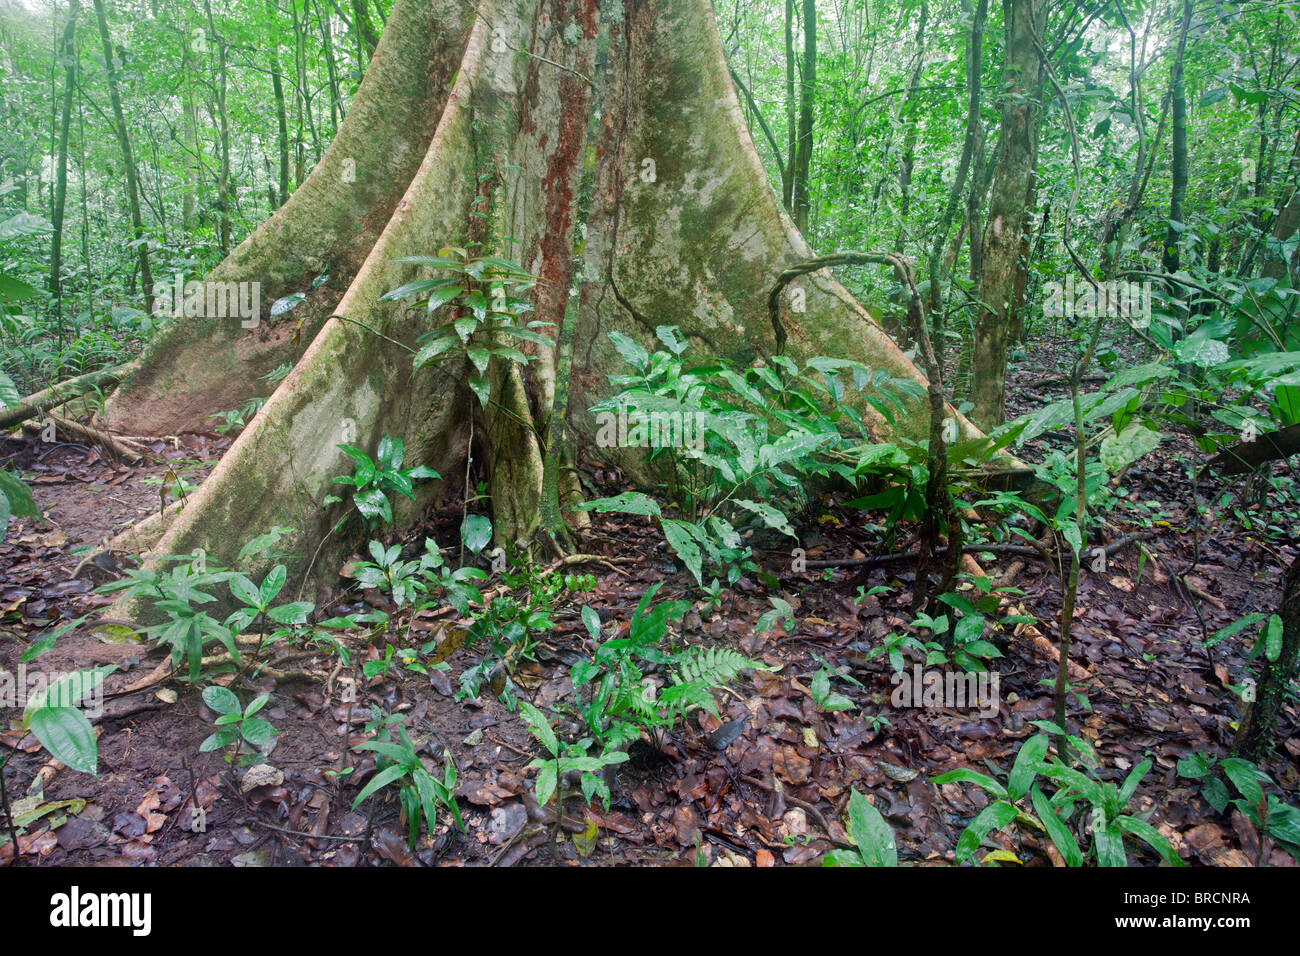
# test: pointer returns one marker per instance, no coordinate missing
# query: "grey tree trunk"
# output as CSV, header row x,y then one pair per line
x,y
606,140
128,159
1178,162
807,93
68,51
1007,214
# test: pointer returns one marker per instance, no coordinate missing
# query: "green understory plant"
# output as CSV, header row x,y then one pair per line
x,y
420,793
374,478
565,759
482,301
182,584
15,499
508,627
178,592
633,686
258,607
871,836
55,719
236,723
734,444
1059,816
1234,775
232,422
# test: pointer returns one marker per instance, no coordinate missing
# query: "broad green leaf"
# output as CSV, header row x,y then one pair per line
x,y
1245,776
68,736
1119,451
1151,837
628,502
476,532
381,779
222,700
981,780
869,832
991,819
258,732
1061,836
540,726
245,591
287,304
1273,637
1025,768
683,543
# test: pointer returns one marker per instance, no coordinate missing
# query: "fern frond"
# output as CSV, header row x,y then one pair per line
x,y
711,667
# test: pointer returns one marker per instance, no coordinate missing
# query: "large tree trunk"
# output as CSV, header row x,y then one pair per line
x,y
608,143
199,365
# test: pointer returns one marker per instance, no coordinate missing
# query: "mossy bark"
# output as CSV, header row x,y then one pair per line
x,y
198,365
621,174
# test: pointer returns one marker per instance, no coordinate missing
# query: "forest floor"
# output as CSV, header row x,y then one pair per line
x,y
766,785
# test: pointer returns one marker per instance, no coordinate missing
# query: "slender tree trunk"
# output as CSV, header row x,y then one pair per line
x,y
1284,227
791,112
67,52
1007,215
1016,309
1258,728
223,121
366,31
908,158
281,119
1178,163
807,93
128,159
974,69
331,68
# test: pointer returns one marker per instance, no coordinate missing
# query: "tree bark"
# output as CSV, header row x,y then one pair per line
x,y
1258,729
807,92
614,165
195,366
1007,215
128,159
67,51
1178,161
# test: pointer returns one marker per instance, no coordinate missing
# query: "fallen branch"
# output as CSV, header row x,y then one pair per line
x,y
39,403
119,450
